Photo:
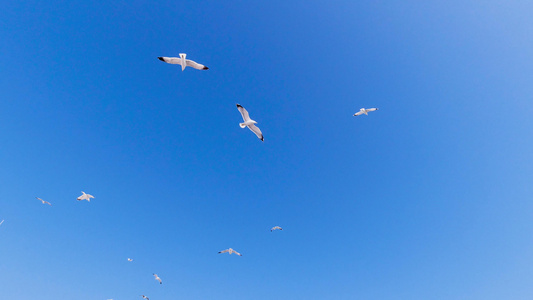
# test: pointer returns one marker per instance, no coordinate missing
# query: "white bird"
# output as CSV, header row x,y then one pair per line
x,y
249,122
275,227
157,278
85,197
144,297
1,222
230,251
183,62
364,111
129,259
44,202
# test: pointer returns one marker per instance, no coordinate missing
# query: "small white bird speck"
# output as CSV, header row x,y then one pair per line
x,y
183,62
364,111
249,122
44,202
230,251
130,259
144,297
275,228
157,278
1,222
85,197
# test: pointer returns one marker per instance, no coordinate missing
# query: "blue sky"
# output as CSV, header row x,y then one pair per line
x,y
428,198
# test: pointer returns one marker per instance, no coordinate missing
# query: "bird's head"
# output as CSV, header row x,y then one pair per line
x,y
183,55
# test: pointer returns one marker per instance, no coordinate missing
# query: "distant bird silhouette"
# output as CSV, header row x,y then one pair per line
x,y
276,228
44,202
157,278
230,251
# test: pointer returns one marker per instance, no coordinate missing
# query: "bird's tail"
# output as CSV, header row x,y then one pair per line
x,y
242,125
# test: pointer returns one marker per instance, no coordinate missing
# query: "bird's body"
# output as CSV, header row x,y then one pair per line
x,y
157,278
44,202
275,228
130,259
85,197
183,62
144,297
364,111
1,222
249,122
230,251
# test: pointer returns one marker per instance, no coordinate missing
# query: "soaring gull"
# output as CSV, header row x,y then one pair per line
x,y
157,278
144,297
230,251
183,62
364,111
249,122
1,222
130,259
85,197
276,228
44,202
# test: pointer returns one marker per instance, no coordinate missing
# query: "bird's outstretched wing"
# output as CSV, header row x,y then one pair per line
x,y
224,251
257,132
237,253
372,109
244,112
170,60
193,64
358,113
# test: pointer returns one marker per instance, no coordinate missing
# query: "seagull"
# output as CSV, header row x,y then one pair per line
x,y
1,222
44,202
183,62
364,111
249,122
129,259
230,251
144,297
157,278
275,227
85,197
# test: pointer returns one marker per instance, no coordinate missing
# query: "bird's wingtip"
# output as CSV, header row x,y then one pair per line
x,y
238,105
160,58
206,68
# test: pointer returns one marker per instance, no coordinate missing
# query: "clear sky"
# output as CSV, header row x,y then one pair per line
x,y
428,198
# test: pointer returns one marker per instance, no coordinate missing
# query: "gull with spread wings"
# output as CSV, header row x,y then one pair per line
x,y
183,62
364,111
249,122
85,197
44,202
230,251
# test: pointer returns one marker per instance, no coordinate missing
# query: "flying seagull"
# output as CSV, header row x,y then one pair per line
x,y
44,202
129,259
144,297
275,227
85,197
249,122
157,278
1,222
230,251
364,111
183,62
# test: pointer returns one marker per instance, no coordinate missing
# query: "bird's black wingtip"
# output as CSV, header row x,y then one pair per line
x,y
238,105
161,58
206,68
262,139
